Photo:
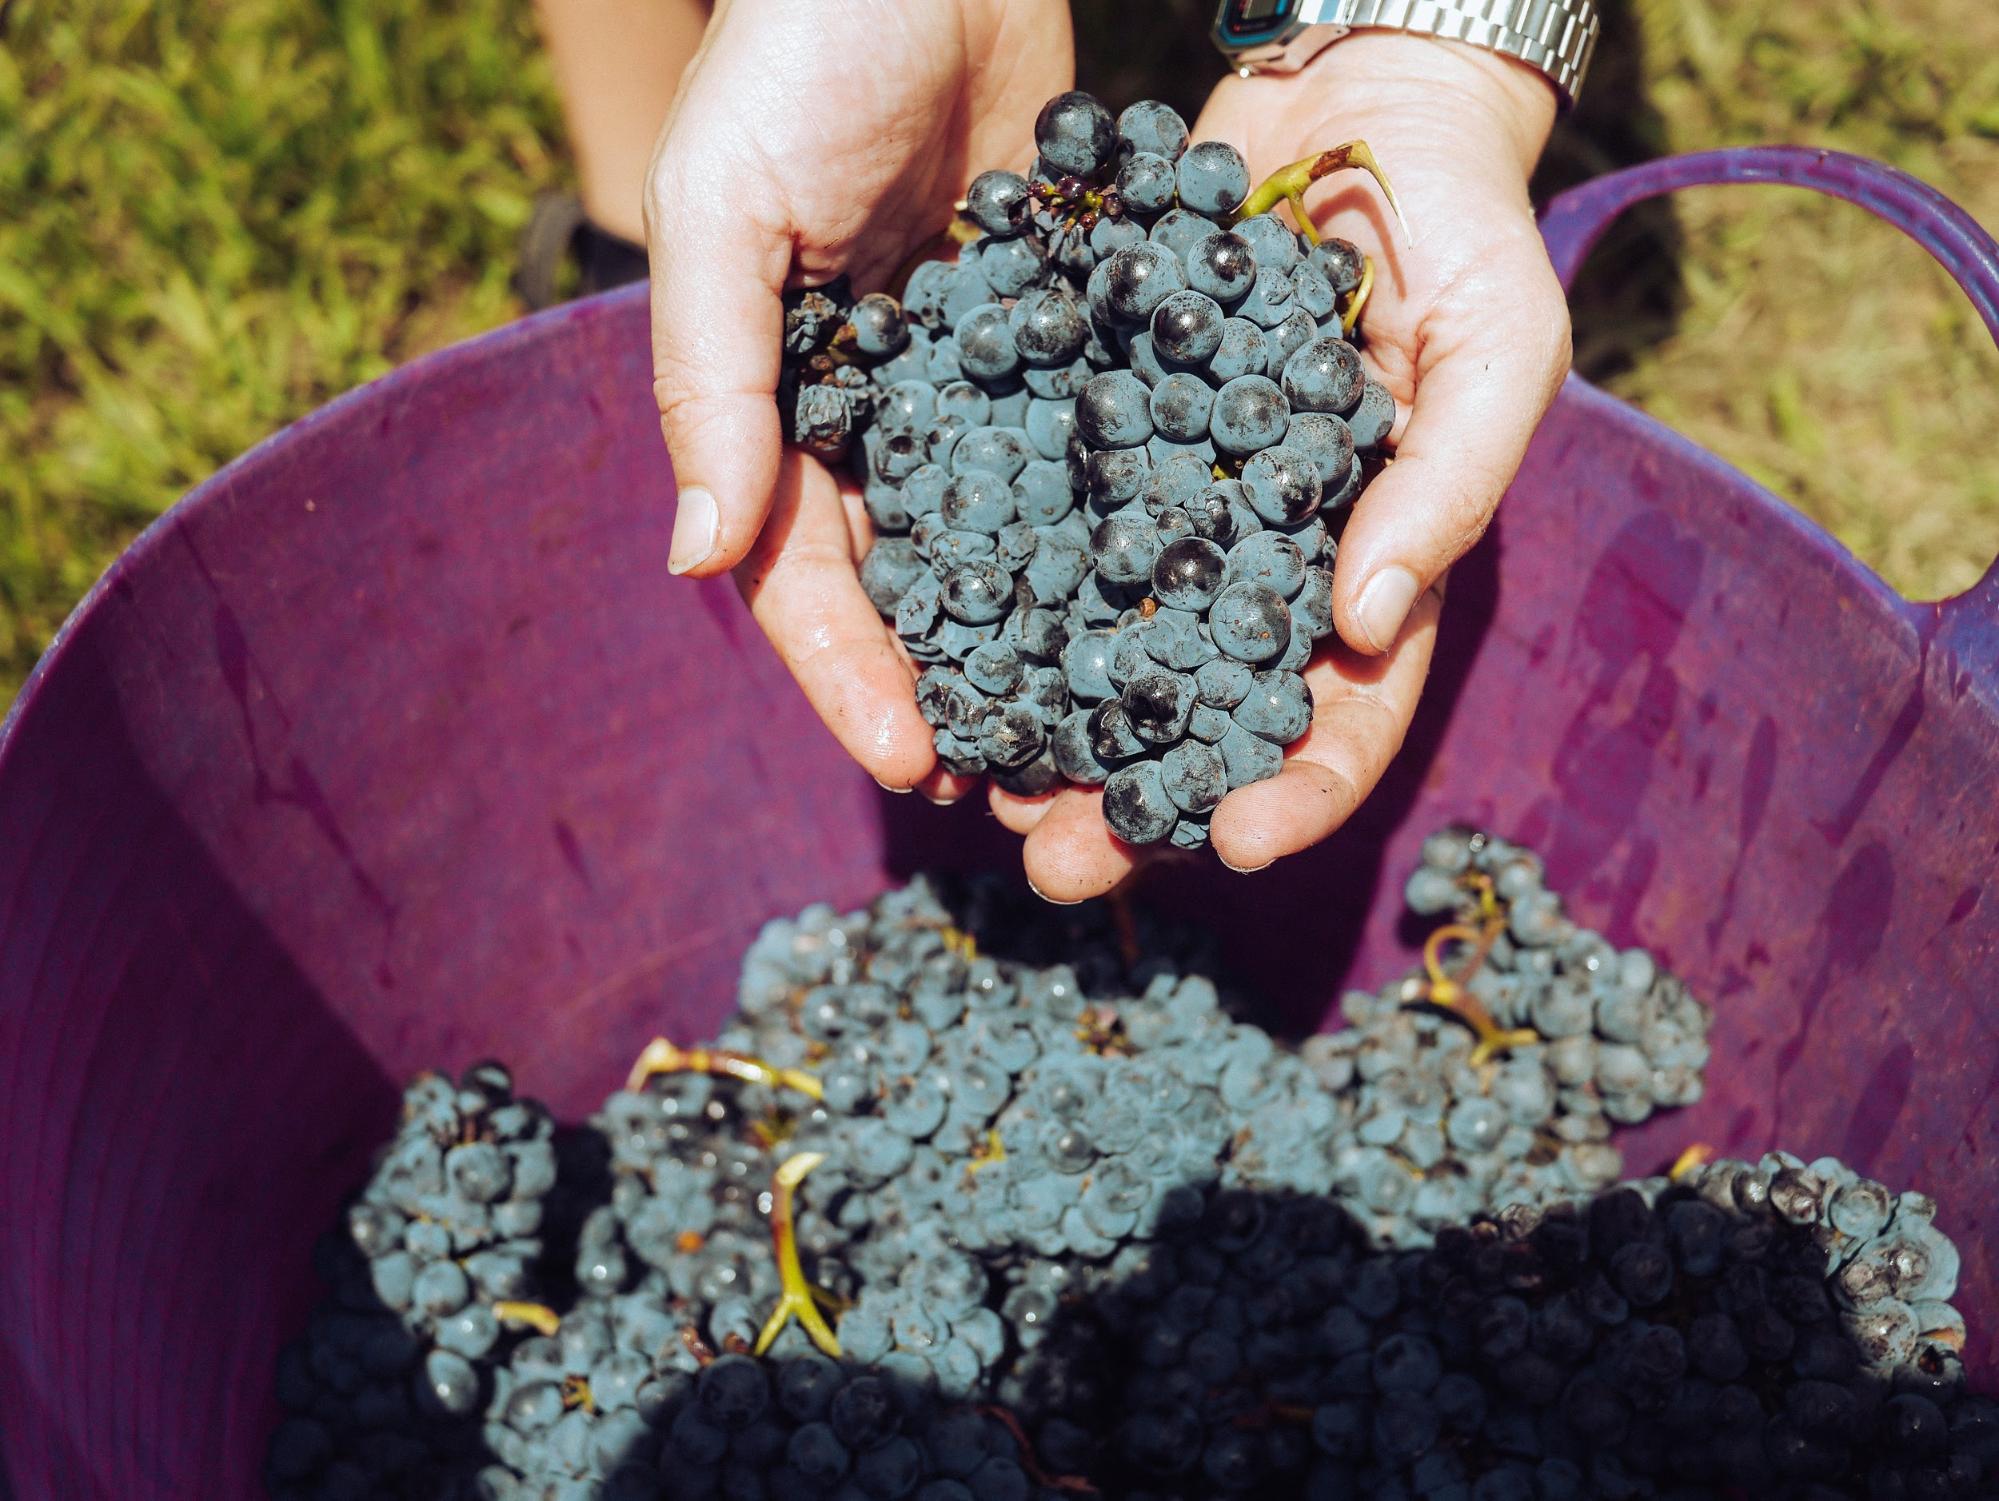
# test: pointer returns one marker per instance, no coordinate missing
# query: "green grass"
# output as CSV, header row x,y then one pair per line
x,y
216,214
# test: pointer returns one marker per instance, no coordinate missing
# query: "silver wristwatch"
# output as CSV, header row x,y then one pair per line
x,y
1281,36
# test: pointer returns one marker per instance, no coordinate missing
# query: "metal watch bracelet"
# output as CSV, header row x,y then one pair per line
x,y
1556,37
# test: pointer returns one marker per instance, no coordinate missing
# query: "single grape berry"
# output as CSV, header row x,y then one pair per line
x,y
1223,266
1283,485
1153,127
1340,263
879,328
1049,328
1114,411
1075,133
1213,178
1187,327
1140,277
1189,573
997,202
1251,622
1324,375
1124,548
1146,183
1136,805
1250,414
985,343
1182,406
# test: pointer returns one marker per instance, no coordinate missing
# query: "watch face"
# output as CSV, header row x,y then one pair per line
x,y
1249,23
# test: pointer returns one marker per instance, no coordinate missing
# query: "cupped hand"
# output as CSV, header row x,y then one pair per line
x,y
1466,326
811,138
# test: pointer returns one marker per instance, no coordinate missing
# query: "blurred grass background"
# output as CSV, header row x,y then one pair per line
x,y
216,214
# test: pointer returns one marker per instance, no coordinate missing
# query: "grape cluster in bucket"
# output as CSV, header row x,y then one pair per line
x,y
975,1199
1106,453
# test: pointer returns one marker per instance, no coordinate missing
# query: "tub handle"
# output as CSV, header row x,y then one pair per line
x,y
1574,221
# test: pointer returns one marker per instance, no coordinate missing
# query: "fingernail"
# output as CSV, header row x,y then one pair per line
x,y
898,791
937,801
1051,900
695,525
1246,870
1384,605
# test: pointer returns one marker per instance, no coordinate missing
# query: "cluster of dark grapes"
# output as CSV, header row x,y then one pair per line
x,y
1105,452
976,1200
1438,1122
445,1240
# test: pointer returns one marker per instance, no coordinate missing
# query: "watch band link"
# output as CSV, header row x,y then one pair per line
x,y
1555,36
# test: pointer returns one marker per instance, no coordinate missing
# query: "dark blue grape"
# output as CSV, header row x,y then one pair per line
x,y
1250,622
1124,548
1075,133
977,592
1326,440
1178,231
1049,425
879,329
1244,349
1146,183
1156,705
1086,661
1222,265
1113,477
1194,776
1312,292
1324,376
1111,739
1293,334
985,345
1268,558
823,420
1372,418
1188,574
1250,414
1283,485
1114,411
1312,612
1187,327
1275,243
1213,178
1049,328
1138,278
1182,407
1278,708
1001,451
1109,236
1154,127
977,501
960,398
1136,806
1008,266
997,202
1340,263
1011,735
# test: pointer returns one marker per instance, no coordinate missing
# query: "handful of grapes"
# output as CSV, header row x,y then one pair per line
x,y
1107,454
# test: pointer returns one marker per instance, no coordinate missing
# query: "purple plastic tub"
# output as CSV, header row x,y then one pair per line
x,y
393,745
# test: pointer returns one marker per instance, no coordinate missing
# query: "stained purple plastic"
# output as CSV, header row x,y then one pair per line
x,y
393,746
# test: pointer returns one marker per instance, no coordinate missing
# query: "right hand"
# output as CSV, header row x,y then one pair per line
x,y
811,138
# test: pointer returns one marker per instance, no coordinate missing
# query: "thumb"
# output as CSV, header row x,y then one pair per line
x,y
1480,393
718,271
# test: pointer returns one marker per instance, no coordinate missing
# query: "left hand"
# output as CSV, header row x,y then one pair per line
x,y
1467,327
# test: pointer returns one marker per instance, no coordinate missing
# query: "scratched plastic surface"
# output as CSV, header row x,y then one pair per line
x,y
393,746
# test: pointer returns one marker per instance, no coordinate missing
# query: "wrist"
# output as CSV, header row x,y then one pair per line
x,y
1482,97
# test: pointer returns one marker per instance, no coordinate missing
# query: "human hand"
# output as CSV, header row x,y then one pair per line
x,y
809,140
1466,326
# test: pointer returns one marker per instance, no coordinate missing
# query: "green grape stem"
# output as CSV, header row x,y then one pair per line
x,y
1288,185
